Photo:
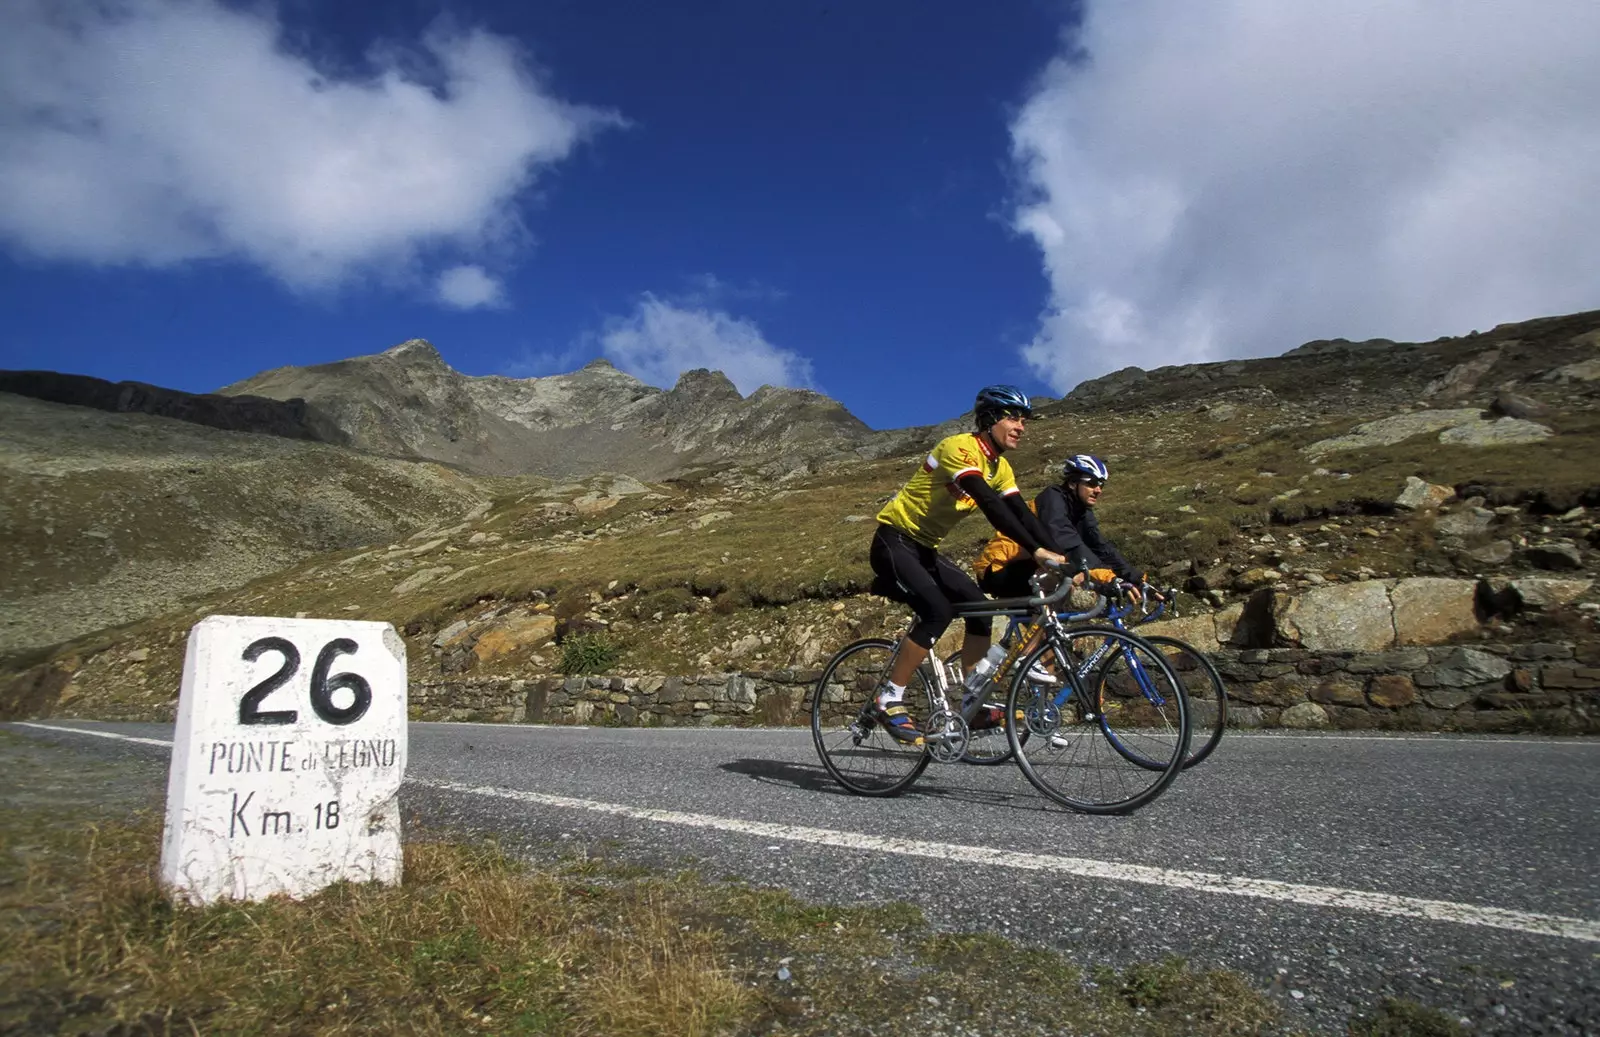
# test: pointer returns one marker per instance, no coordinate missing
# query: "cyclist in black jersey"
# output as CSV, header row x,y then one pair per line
x,y
1067,513
963,473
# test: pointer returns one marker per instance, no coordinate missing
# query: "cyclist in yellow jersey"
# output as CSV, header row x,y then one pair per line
x,y
962,474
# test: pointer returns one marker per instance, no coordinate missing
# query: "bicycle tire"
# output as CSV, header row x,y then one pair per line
x,y
1207,694
986,747
1108,748
860,755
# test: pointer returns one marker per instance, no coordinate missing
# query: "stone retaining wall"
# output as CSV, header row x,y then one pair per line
x,y
1551,688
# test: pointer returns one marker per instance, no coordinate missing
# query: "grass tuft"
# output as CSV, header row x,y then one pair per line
x,y
588,653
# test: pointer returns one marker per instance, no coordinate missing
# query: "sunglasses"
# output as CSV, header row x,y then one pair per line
x,y
1095,483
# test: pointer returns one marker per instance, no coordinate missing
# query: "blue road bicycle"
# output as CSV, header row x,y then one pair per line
x,y
1095,661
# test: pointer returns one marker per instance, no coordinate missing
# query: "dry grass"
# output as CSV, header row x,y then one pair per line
x,y
471,943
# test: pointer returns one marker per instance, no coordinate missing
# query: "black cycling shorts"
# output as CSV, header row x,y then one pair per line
x,y
927,581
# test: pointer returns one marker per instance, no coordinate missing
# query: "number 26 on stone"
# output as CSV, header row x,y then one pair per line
x,y
322,685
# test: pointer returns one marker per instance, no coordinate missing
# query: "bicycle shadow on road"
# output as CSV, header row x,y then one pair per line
x,y
814,778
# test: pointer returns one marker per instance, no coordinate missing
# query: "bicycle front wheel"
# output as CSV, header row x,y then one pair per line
x,y
1112,735
1202,684
854,748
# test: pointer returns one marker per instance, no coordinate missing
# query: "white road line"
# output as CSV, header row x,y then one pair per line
x,y
97,734
1207,882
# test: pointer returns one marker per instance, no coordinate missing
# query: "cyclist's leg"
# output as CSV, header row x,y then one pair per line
x,y
911,567
957,587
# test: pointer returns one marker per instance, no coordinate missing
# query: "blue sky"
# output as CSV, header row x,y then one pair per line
x,y
891,202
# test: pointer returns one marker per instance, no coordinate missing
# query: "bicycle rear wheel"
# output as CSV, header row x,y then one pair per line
x,y
1113,736
1207,694
854,748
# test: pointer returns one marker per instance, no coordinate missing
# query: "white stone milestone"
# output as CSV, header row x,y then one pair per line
x,y
287,759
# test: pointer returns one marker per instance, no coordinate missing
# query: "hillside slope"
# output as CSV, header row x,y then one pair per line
x,y
107,518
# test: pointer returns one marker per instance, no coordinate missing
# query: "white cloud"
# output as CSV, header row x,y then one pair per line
x,y
659,341
468,287
1233,178
151,132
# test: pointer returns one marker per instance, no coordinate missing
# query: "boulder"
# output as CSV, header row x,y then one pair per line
x,y
1343,617
1305,716
1582,371
1547,591
1462,378
513,634
1510,405
1465,523
1255,579
1430,610
1420,495
1463,668
1199,630
421,578
1338,691
1502,432
1554,555
1388,431
1391,690
1496,552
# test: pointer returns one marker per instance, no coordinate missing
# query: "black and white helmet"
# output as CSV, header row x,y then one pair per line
x,y
996,401
1080,467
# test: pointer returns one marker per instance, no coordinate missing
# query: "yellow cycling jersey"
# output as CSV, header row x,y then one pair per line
x,y
928,507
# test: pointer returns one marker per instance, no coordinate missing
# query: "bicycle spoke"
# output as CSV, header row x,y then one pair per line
x,y
1113,737
854,748
1208,695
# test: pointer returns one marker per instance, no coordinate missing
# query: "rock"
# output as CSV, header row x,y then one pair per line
x,y
450,633
1548,592
1199,630
1464,377
1582,371
1493,553
1464,667
1391,691
1338,691
1419,495
1223,412
138,655
1510,405
1305,716
592,504
1388,431
1342,617
420,578
1254,579
1554,555
1430,610
512,634
626,485
745,645
708,518
1502,432
1465,523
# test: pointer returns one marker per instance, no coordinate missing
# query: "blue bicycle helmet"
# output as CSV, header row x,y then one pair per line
x,y
996,401
1084,466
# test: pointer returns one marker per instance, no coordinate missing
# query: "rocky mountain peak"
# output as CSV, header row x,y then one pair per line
x,y
415,350
703,383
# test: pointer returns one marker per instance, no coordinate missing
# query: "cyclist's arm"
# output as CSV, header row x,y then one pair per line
x,y
1098,543
1004,516
1062,533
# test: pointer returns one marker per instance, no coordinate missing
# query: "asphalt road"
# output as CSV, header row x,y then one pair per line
x,y
1301,860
